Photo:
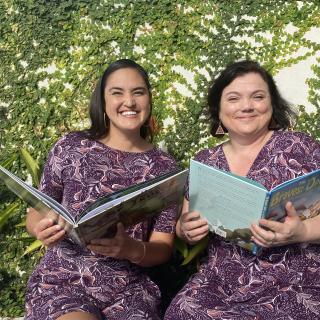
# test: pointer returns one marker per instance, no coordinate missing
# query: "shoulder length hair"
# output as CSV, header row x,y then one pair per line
x,y
282,114
99,120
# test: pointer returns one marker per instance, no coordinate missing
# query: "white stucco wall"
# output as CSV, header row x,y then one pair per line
x,y
292,81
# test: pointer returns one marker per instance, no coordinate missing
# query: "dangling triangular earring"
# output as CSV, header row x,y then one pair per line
x,y
220,131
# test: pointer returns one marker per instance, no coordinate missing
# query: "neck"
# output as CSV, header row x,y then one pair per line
x,y
239,144
126,142
241,153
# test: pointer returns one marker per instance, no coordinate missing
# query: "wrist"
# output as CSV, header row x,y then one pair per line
x,y
139,257
180,231
303,234
310,229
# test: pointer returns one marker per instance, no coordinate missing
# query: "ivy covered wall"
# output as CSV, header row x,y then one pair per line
x,y
52,53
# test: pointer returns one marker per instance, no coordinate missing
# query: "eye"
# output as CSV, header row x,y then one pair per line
x,y
259,97
232,99
139,93
116,93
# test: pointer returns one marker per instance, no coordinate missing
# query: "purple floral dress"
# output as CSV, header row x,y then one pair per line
x,y
72,278
283,283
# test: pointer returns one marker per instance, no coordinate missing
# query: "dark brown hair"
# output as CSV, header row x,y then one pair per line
x,y
282,114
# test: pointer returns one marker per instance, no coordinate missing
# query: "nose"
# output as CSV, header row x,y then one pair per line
x,y
129,101
247,105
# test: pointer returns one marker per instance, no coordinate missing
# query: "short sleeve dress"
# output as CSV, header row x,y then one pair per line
x,y
72,278
284,282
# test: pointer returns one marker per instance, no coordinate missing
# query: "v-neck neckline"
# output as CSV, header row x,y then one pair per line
x,y
254,161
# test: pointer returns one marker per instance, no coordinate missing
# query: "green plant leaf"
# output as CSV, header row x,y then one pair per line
x,y
32,165
22,224
35,245
8,212
181,247
196,250
8,163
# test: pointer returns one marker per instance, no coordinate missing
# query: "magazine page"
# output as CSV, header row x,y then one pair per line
x,y
303,192
32,196
146,203
228,202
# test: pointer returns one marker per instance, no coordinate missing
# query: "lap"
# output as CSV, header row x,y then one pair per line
x,y
205,298
138,302
48,299
238,289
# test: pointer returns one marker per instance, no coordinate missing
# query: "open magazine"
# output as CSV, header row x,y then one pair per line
x,y
230,203
128,206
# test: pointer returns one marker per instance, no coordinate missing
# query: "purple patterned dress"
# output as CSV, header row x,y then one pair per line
x,y
283,283
71,278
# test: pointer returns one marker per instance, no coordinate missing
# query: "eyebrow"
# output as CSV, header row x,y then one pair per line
x,y
134,89
254,92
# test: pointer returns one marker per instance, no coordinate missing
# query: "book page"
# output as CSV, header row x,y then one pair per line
x,y
34,198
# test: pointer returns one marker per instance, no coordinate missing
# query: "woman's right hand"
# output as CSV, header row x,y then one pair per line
x,y
192,227
51,229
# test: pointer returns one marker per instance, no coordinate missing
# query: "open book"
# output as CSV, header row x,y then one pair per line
x,y
128,206
230,203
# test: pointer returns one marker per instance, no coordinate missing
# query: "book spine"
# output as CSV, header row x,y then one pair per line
x,y
257,249
265,206
74,234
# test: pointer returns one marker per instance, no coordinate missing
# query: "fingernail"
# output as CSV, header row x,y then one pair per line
x,y
58,227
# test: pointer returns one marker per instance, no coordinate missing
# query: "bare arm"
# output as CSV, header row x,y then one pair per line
x,y
156,251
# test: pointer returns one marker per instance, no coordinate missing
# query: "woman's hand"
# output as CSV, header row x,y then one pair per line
x,y
121,246
192,227
292,230
51,229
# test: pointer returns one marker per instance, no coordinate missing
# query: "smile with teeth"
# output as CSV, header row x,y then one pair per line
x,y
128,113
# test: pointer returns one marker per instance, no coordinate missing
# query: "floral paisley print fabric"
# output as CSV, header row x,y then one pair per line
x,y
284,282
71,278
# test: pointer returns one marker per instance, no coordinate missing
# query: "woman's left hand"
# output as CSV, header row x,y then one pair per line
x,y
271,233
121,246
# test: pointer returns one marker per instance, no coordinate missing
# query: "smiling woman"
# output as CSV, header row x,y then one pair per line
x,y
123,84
127,105
245,105
104,280
232,283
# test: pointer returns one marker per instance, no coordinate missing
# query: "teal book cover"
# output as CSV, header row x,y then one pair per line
x,y
230,203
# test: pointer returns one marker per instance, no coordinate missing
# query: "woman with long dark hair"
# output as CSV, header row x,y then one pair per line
x,y
105,280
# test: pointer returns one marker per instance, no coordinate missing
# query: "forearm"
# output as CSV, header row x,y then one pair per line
x,y
179,231
148,254
312,230
33,218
